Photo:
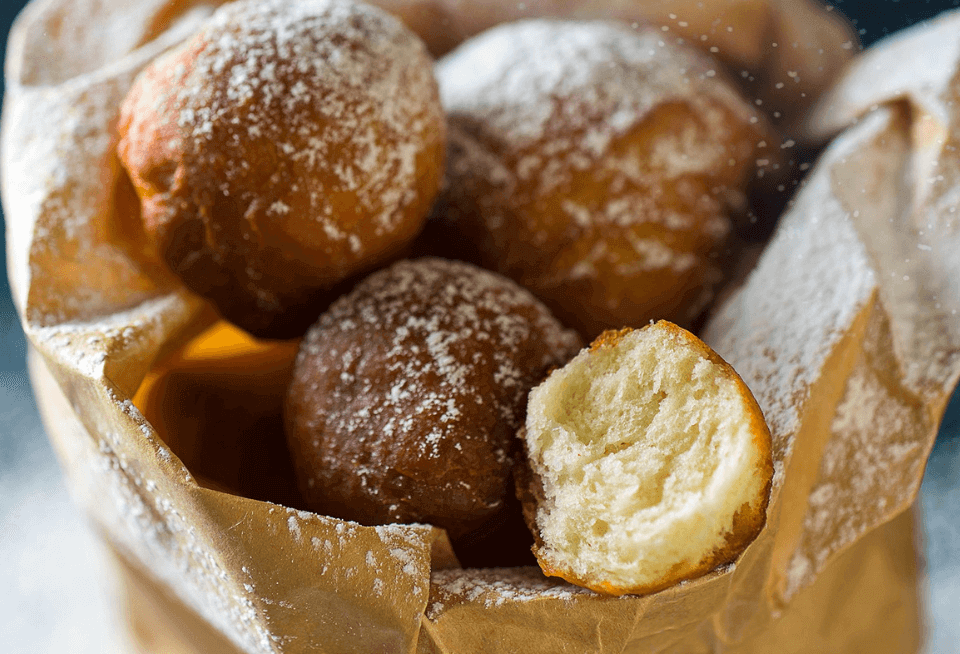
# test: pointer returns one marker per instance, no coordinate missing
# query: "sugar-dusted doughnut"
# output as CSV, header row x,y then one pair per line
x,y
284,148
596,165
407,394
649,463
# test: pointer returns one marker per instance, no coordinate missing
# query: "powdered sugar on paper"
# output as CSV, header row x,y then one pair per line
x,y
492,587
778,331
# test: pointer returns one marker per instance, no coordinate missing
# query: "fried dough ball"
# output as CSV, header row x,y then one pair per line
x,y
407,394
649,463
596,166
284,148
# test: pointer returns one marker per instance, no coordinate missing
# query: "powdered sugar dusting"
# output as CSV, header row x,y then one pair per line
x,y
492,587
867,472
294,528
142,510
61,265
404,561
605,69
399,539
777,332
554,97
431,310
913,176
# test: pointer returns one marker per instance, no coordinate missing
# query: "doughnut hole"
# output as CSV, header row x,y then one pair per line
x,y
649,463
597,166
282,150
407,394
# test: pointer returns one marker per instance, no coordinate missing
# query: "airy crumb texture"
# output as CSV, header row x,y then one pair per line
x,y
649,463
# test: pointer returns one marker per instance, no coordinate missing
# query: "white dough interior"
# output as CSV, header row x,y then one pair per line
x,y
645,451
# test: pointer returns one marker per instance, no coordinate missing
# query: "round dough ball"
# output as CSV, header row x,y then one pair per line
x,y
284,148
595,165
407,394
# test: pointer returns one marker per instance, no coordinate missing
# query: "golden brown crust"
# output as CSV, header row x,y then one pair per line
x,y
747,522
283,149
603,185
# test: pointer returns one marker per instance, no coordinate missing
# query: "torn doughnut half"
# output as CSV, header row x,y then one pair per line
x,y
649,463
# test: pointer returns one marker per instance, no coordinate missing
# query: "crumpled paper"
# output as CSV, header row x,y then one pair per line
x,y
846,332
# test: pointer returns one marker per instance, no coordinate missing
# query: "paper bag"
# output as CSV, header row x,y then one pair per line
x,y
846,332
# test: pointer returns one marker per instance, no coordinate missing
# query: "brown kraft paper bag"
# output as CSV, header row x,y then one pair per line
x,y
846,332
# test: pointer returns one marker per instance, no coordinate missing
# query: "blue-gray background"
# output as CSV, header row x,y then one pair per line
x,y
55,587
